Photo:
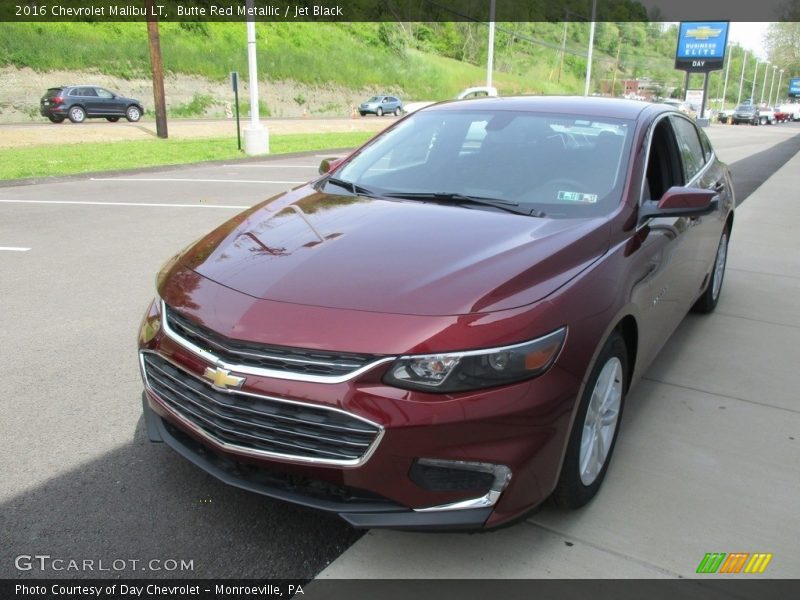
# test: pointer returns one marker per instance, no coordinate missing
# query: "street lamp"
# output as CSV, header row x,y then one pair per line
x,y
755,75
727,70
771,83
490,59
591,46
764,86
741,79
778,89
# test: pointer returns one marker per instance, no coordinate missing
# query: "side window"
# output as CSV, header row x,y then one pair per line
x,y
708,149
663,162
74,92
104,93
689,146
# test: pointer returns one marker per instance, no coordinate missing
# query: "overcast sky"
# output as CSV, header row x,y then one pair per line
x,y
749,36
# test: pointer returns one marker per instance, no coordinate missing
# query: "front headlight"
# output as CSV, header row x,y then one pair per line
x,y
476,369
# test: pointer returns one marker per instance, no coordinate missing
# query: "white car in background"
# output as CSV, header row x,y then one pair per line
x,y
766,115
471,92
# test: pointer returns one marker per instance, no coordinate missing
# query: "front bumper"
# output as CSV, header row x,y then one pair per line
x,y
522,426
358,512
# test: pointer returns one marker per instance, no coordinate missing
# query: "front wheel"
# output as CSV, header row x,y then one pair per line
x,y
397,112
112,119
708,301
594,432
133,114
379,112
763,120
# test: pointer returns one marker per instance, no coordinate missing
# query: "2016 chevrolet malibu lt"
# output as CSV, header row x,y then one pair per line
x,y
440,331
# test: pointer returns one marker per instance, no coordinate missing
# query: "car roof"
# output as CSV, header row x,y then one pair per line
x,y
590,106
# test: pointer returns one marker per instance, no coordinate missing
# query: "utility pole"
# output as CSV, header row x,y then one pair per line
x,y
591,47
490,61
158,72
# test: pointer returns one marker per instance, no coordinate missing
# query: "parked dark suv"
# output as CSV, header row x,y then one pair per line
x,y
745,113
80,102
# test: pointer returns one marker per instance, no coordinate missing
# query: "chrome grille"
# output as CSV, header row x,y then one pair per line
x,y
257,424
284,359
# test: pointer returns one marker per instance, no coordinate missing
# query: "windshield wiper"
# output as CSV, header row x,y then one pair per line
x,y
456,198
357,190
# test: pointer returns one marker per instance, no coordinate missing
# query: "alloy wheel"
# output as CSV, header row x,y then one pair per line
x,y
601,420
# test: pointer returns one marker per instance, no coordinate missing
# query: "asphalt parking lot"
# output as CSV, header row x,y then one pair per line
x,y
707,457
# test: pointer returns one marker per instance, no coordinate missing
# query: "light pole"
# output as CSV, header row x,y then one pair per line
x,y
591,47
764,86
727,70
741,79
771,83
778,89
755,76
490,61
256,136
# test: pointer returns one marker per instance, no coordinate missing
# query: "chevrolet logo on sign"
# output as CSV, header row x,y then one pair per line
x,y
222,378
703,33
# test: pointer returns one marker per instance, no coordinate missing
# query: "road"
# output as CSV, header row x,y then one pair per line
x,y
79,480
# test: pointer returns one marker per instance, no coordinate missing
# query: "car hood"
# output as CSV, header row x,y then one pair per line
x,y
394,256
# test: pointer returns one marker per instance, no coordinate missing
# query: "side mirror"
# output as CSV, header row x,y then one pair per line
x,y
680,202
329,164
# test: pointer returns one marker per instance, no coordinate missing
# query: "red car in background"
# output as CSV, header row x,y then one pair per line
x,y
441,330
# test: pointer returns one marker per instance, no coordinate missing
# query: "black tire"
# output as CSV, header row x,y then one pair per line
x,y
397,112
379,112
133,113
571,491
56,119
112,119
362,113
763,120
708,301
76,114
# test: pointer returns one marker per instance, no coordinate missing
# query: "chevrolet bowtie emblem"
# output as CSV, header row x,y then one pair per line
x,y
703,33
222,378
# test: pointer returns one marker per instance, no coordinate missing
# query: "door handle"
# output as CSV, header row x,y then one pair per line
x,y
719,187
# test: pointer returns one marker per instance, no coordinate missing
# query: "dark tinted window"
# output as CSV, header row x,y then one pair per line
x,y
52,92
708,149
689,146
74,92
104,93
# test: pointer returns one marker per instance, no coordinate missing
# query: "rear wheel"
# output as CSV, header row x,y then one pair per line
x,y
77,114
763,120
133,114
112,119
397,112
379,112
708,301
56,119
594,432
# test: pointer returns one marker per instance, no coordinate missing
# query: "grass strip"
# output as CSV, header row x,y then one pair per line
x,y
71,159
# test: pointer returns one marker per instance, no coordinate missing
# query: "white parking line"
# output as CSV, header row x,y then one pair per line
x,y
187,180
13,249
88,203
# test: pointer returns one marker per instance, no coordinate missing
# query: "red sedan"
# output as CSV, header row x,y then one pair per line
x,y
441,330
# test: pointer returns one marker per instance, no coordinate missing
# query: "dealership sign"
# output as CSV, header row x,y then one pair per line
x,y
794,87
701,46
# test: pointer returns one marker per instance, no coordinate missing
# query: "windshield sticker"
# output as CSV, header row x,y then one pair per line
x,y
577,197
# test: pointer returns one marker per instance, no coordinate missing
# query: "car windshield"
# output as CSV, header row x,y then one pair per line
x,y
375,99
745,107
561,166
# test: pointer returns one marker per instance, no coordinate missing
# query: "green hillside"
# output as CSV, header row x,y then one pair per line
x,y
418,60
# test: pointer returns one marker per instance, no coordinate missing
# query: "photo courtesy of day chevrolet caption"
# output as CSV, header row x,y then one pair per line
x,y
441,330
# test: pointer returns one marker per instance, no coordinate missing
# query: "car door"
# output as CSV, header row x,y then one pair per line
x,y
665,246
91,101
111,104
703,231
